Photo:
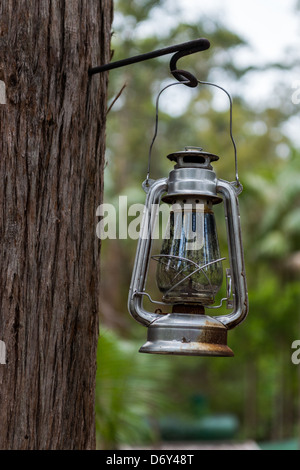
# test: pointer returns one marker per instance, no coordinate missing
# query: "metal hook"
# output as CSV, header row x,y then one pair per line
x,y
183,75
183,49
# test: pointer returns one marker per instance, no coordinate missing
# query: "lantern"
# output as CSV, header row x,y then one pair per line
x,y
189,268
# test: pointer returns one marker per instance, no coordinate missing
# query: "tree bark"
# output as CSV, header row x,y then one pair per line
x,y
52,131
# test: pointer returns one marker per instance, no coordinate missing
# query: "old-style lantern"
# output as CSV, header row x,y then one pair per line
x,y
190,276
189,270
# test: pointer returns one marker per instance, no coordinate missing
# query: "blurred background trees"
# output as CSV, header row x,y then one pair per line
x,y
260,386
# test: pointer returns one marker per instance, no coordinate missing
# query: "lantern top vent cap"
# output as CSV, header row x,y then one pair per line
x,y
193,157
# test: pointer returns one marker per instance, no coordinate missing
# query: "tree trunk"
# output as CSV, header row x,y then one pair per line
x,y
52,150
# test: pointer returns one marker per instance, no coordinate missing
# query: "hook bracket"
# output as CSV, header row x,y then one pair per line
x,y
180,50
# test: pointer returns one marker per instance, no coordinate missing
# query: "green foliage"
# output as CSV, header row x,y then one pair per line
x,y
129,392
137,10
276,197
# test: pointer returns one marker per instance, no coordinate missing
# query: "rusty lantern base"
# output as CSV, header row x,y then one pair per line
x,y
187,334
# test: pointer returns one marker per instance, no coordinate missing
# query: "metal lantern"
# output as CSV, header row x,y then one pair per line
x,y
189,266
189,278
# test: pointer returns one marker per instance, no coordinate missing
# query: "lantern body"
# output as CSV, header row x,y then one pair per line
x,y
190,278
190,242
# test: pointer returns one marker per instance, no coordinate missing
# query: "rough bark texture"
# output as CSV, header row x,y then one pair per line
x,y
52,150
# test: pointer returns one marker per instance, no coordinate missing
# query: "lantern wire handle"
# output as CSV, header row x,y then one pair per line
x,y
237,182
156,126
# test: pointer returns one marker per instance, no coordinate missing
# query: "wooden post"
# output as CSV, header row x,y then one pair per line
x,y
51,170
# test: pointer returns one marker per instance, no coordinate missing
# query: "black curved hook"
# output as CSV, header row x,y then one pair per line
x,y
183,75
181,50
